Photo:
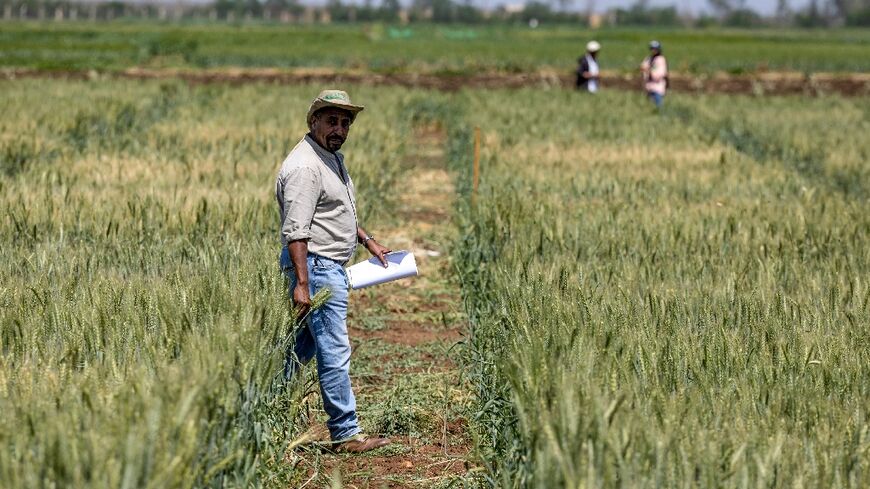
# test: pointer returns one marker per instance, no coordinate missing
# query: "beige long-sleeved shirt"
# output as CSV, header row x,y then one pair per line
x,y
316,200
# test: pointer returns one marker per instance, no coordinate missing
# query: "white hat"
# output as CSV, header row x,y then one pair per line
x,y
593,46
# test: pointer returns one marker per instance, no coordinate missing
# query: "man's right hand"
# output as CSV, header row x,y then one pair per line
x,y
302,300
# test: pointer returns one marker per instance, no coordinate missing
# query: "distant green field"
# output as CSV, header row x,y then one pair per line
x,y
424,48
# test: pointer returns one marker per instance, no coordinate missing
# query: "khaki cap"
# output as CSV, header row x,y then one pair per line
x,y
333,98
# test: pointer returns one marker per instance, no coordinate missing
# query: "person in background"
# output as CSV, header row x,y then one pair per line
x,y
655,74
587,71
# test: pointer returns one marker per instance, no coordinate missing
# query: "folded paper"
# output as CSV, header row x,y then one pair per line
x,y
400,264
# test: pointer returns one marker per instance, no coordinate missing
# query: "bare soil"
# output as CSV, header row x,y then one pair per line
x,y
761,83
407,333
426,464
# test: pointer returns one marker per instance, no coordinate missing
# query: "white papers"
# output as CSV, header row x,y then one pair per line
x,y
400,264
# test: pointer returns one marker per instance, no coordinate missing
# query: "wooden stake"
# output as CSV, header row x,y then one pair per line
x,y
476,174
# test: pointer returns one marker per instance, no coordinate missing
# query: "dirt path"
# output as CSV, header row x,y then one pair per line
x,y
761,83
403,367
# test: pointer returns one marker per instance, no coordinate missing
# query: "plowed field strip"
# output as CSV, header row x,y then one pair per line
x,y
767,83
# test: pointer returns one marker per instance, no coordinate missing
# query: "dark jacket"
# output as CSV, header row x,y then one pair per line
x,y
583,67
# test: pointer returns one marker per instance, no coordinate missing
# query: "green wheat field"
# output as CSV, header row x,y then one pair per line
x,y
419,48
673,299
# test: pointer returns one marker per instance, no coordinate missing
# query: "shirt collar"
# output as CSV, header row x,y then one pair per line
x,y
322,152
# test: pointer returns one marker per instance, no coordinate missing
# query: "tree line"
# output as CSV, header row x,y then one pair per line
x,y
729,13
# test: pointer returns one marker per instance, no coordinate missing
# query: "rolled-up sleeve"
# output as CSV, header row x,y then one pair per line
x,y
301,192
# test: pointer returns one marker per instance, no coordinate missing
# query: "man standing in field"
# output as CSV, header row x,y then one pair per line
x,y
655,74
319,234
587,69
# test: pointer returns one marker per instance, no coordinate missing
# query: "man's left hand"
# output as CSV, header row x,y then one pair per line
x,y
378,250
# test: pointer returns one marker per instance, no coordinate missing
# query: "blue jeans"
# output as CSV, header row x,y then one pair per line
x,y
324,336
657,98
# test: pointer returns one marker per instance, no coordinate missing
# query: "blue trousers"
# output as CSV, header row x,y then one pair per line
x,y
323,336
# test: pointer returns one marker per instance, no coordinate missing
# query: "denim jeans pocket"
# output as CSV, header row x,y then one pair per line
x,y
284,262
320,263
